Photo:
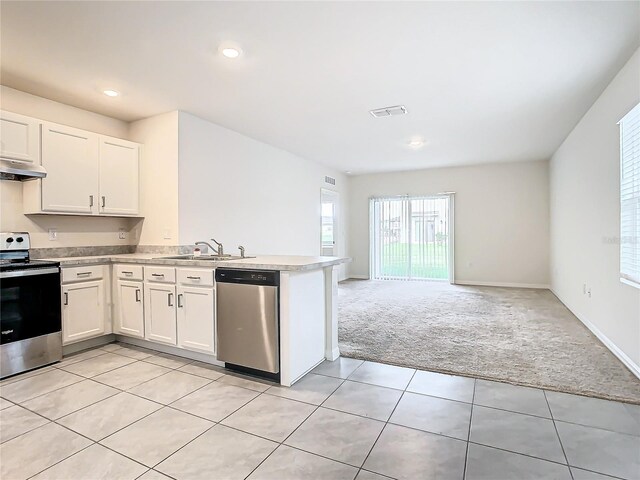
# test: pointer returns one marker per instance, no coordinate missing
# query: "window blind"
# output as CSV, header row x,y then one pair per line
x,y
630,196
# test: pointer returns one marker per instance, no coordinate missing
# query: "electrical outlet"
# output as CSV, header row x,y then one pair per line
x,y
122,234
53,234
589,292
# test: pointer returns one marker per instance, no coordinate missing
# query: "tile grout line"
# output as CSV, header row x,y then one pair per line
x,y
466,454
555,427
222,375
295,429
498,408
203,418
387,421
94,403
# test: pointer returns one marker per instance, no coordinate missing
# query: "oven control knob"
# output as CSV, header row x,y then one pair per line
x,y
10,240
19,239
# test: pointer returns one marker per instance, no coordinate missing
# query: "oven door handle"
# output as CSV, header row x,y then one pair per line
x,y
29,272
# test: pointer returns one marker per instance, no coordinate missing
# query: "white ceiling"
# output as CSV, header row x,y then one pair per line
x,y
483,82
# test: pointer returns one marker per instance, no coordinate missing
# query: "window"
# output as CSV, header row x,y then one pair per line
x,y
630,197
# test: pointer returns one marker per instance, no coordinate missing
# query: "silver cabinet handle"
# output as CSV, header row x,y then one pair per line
x,y
137,294
91,200
170,299
193,278
127,273
104,201
66,298
83,274
157,274
180,304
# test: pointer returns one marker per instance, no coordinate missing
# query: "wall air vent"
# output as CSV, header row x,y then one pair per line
x,y
389,111
330,180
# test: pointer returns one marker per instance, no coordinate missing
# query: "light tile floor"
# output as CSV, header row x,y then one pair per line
x,y
124,412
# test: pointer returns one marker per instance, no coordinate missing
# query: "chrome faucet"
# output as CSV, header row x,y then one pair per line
x,y
209,247
241,248
220,250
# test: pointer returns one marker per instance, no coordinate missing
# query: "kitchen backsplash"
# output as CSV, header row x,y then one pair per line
x,y
64,252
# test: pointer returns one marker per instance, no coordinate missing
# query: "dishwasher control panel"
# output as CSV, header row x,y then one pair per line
x,y
251,277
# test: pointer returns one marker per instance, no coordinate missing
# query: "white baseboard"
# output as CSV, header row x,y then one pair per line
x,y
90,343
501,284
332,354
180,352
358,277
613,348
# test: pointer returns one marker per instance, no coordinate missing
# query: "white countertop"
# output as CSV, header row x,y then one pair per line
x,y
261,262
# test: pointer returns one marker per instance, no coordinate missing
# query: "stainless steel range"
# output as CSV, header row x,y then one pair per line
x,y
30,302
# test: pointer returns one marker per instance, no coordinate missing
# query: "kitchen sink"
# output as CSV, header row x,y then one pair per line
x,y
211,258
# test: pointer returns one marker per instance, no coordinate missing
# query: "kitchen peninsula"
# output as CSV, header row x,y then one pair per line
x,y
139,308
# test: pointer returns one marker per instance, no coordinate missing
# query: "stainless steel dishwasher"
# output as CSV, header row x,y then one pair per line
x,y
248,321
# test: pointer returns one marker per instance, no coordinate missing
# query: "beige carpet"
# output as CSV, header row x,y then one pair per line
x,y
522,336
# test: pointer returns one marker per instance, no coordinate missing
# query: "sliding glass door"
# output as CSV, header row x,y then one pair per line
x,y
411,238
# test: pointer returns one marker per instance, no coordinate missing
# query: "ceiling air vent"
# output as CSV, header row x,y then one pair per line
x,y
388,111
330,180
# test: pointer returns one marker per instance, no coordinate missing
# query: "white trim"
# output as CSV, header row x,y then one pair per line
x,y
173,350
612,347
629,282
333,355
452,239
503,284
358,277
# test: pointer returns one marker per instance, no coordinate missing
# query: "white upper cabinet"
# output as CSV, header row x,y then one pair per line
x,y
70,157
19,138
87,173
119,176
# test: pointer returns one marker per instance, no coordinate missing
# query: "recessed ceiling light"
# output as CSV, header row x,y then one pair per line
x,y
111,93
230,51
416,143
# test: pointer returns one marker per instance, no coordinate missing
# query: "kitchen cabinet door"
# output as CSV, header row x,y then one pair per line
x,y
196,319
119,176
19,138
160,313
129,312
83,311
70,157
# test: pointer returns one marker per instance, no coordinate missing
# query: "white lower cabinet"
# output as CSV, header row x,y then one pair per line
x,y
196,318
129,309
160,313
157,303
83,310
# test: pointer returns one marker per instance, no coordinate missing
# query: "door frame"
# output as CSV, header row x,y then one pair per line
x,y
450,239
336,212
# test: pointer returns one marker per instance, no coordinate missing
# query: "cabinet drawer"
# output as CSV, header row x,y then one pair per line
x,y
129,272
80,274
160,274
195,276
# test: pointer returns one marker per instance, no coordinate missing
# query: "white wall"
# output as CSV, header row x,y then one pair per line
x,y
158,178
501,218
585,218
245,192
72,231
